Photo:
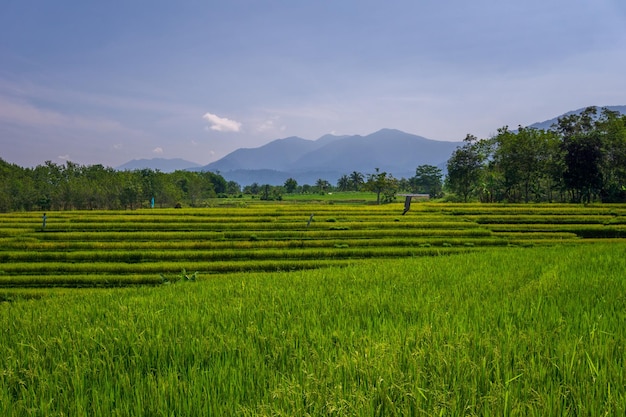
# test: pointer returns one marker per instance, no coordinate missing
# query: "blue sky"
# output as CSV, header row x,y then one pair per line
x,y
109,81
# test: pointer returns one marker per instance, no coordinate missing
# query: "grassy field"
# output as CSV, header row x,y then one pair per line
x,y
449,310
104,248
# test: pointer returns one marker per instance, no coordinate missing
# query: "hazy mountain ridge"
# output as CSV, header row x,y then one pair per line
x,y
161,164
547,124
329,157
279,155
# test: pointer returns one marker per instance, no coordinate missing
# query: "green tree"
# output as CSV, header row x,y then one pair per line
x,y
17,188
583,150
343,183
357,180
253,189
522,158
291,185
322,186
428,179
583,161
130,192
233,188
465,168
383,184
48,178
214,183
613,129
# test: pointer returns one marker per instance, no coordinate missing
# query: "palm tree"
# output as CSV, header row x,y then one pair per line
x,y
343,183
357,180
291,185
322,185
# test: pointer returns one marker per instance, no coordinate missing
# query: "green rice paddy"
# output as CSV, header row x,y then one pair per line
x,y
448,310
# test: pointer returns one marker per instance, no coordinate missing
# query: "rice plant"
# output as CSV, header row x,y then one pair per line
x,y
480,333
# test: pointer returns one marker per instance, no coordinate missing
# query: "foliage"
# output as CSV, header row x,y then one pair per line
x,y
291,185
581,159
357,180
482,333
427,180
522,160
384,185
117,248
71,186
343,183
465,167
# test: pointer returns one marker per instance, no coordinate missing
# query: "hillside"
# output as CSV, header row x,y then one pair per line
x,y
330,156
547,124
161,164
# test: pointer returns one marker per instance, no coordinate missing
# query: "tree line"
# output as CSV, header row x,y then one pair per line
x,y
582,158
72,186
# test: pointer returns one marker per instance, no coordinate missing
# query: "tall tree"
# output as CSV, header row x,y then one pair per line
x,y
583,162
291,185
383,184
522,159
581,143
465,168
343,183
613,129
322,185
357,180
427,180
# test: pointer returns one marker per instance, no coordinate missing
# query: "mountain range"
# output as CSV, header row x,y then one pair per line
x,y
161,164
545,125
328,157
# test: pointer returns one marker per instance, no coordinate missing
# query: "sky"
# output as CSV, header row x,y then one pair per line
x,y
104,82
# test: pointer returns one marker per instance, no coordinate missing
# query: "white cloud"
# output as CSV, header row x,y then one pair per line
x,y
65,157
222,124
265,126
271,125
158,150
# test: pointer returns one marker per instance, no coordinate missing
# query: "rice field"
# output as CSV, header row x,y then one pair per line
x,y
118,248
449,310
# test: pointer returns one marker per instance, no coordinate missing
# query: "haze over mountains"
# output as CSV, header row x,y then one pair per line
x,y
161,164
548,123
329,157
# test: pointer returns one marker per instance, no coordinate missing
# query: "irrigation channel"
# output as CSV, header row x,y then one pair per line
x,y
153,246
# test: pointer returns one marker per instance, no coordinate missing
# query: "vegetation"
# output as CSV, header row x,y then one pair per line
x,y
72,186
315,305
581,159
481,333
427,180
119,248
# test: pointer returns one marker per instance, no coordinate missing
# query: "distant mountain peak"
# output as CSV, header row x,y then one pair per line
x,y
547,124
331,156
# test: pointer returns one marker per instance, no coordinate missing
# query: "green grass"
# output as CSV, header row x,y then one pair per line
x,y
505,331
352,197
133,247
